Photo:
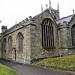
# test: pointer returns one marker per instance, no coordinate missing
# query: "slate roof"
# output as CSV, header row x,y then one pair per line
x,y
67,19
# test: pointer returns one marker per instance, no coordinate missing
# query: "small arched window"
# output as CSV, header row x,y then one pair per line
x,y
47,34
20,42
10,43
73,35
4,45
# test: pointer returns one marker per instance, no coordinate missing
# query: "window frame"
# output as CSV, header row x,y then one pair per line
x,y
20,42
47,34
10,43
72,34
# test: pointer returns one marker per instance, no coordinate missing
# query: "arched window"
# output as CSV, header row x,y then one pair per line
x,y
73,35
47,34
10,43
4,45
20,42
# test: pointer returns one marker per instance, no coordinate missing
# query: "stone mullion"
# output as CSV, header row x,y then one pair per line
x,y
42,36
46,35
49,36
53,37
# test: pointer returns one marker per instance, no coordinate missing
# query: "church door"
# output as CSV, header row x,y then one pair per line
x,y
14,54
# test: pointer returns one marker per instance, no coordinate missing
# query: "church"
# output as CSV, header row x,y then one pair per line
x,y
42,36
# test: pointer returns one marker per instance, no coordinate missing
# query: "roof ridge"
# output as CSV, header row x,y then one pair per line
x,y
64,17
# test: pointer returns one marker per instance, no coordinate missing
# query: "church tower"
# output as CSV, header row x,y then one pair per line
x,y
54,12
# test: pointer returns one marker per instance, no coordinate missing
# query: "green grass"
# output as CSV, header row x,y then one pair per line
x,y
64,63
4,70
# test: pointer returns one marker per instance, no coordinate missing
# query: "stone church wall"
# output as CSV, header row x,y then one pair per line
x,y
32,40
21,57
63,39
37,51
71,51
66,39
28,45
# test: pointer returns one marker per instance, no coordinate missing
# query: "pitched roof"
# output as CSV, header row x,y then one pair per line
x,y
67,19
35,17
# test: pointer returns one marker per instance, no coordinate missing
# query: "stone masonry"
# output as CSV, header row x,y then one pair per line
x,y
29,31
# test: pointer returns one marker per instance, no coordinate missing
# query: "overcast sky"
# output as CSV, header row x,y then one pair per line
x,y
17,10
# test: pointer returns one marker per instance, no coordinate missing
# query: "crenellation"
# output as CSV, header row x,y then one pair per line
x,y
26,20
23,21
30,18
20,23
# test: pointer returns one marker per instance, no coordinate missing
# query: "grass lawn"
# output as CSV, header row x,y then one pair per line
x,y
64,63
4,70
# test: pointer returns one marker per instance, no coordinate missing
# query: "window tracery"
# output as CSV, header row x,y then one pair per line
x,y
47,34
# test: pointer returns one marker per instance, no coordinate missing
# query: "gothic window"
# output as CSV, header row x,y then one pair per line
x,y
73,35
4,45
10,43
47,34
20,42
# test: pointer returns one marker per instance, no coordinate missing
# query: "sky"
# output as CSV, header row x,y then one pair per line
x,y
14,11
